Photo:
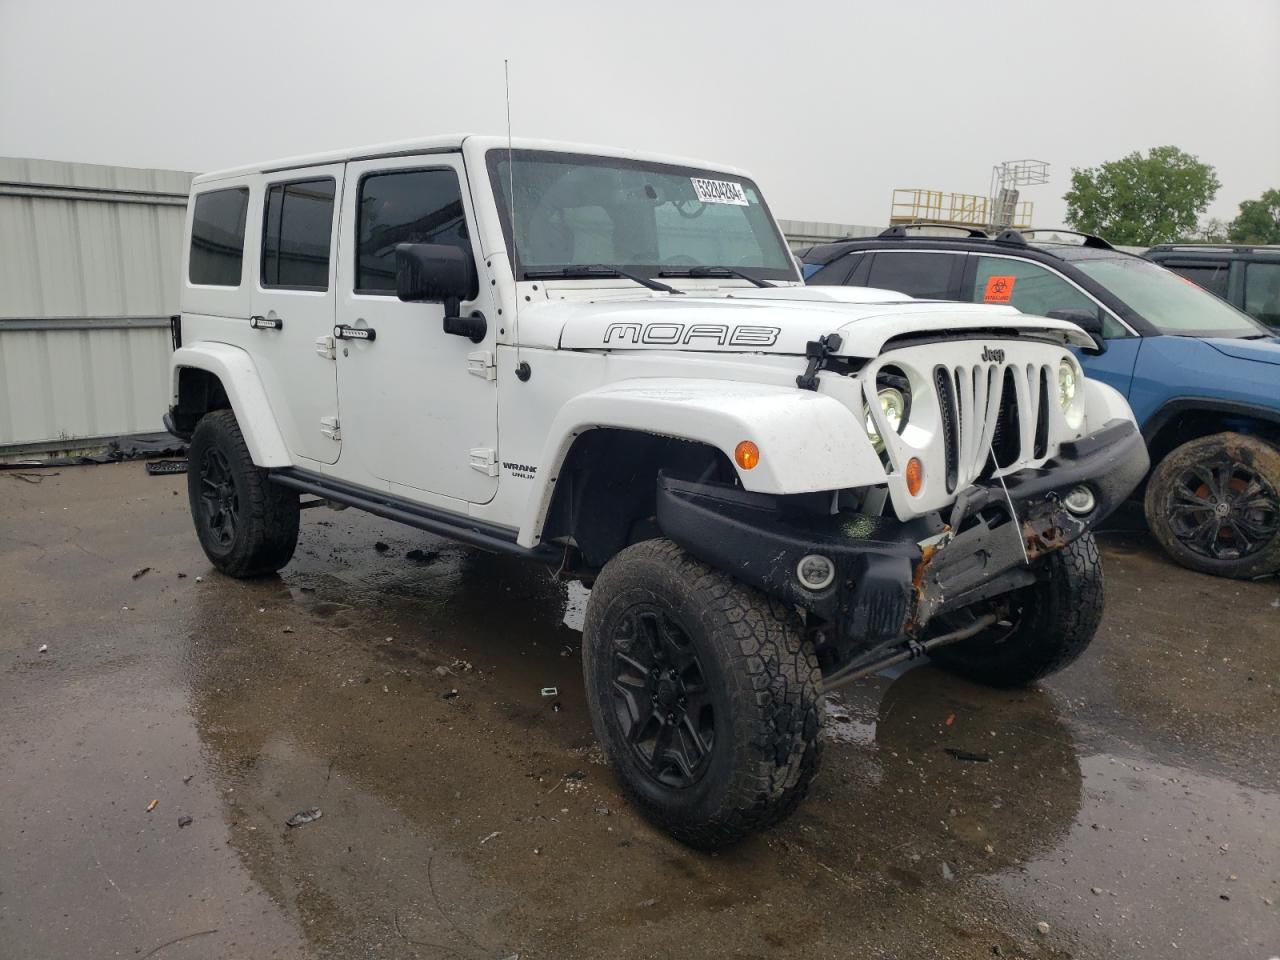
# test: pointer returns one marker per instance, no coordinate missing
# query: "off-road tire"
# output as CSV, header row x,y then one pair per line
x,y
763,680
1162,493
1052,621
266,528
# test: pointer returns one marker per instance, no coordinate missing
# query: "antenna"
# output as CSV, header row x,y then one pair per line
x,y
522,369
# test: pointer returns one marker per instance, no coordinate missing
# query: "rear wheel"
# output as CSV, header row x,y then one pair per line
x,y
1043,627
246,524
1214,505
703,693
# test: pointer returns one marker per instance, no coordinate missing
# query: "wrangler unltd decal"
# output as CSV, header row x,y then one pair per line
x,y
692,334
521,470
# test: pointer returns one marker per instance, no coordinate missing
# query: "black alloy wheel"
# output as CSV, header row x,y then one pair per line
x,y
661,697
218,497
1223,510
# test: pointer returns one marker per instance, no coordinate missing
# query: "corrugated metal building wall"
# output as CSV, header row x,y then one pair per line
x,y
89,260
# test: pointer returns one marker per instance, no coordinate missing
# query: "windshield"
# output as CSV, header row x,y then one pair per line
x,y
1173,305
646,218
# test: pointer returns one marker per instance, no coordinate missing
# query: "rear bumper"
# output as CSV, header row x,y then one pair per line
x,y
893,577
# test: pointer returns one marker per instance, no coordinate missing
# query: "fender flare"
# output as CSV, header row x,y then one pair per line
x,y
235,369
808,441
1227,408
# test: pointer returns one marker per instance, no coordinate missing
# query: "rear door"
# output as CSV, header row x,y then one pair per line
x,y
419,406
293,305
924,274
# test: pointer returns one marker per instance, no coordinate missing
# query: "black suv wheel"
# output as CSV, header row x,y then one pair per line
x,y
1214,505
246,524
703,693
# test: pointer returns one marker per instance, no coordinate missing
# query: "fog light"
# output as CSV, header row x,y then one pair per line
x,y
1080,500
815,572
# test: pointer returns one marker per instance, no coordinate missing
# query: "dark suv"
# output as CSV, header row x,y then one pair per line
x,y
1246,276
1203,378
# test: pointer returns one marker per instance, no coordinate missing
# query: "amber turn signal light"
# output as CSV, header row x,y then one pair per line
x,y
747,455
915,475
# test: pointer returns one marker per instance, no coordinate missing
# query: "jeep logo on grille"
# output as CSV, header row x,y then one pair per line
x,y
992,355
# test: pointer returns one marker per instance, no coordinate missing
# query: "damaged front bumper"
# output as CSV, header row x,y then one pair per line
x,y
893,577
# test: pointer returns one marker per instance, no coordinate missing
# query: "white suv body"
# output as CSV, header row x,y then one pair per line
x,y
524,387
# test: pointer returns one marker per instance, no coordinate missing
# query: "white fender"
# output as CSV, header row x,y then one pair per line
x,y
235,368
808,441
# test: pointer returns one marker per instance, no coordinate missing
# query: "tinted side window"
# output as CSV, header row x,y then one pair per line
x,y
410,206
217,237
296,229
925,275
1211,276
1034,289
836,272
1262,292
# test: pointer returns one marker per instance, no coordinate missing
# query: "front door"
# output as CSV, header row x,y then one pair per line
x,y
418,406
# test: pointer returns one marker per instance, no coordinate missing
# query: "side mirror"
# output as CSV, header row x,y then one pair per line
x,y
1088,321
441,273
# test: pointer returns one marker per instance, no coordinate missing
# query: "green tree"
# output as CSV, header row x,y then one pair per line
x,y
1259,220
1141,200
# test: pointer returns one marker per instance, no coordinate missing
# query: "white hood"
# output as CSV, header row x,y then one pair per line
x,y
778,320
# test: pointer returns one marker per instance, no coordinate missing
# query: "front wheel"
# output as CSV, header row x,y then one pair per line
x,y
1214,505
703,693
1044,626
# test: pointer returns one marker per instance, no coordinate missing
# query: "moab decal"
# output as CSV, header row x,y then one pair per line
x,y
693,334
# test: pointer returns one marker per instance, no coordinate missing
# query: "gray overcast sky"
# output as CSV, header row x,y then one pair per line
x,y
830,105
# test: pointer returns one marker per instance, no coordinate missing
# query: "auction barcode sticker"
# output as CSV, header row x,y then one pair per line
x,y
719,191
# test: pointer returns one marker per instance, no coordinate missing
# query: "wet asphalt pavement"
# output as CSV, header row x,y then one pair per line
x,y
1132,802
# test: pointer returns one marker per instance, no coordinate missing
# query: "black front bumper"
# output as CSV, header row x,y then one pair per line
x,y
892,577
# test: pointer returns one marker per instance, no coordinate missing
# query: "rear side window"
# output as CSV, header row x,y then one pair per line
x,y
1211,276
840,272
297,226
407,206
923,275
1262,292
217,237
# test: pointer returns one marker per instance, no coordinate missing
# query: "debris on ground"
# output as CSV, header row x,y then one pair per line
x,y
187,778
381,547
423,556
304,817
951,718
184,822
496,833
449,695
968,755
44,648
152,805
946,871
1043,928
182,576
555,707
443,671
32,477
550,692
646,904
158,468
603,810
139,573
286,630
199,579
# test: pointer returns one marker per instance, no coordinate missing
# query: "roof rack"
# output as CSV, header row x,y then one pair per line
x,y
1086,239
1215,247
901,230
1013,238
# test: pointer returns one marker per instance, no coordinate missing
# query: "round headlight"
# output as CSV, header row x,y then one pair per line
x,y
893,391
1066,384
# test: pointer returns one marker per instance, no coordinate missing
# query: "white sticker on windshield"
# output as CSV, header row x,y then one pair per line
x,y
719,191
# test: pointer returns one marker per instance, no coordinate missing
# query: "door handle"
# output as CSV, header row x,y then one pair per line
x,y
344,332
266,323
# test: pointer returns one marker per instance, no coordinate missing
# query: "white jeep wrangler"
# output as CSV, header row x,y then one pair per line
x,y
607,362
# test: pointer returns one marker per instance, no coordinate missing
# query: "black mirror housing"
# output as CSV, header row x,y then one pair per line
x,y
1088,321
435,273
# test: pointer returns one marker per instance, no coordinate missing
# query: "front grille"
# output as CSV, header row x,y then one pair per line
x,y
1000,418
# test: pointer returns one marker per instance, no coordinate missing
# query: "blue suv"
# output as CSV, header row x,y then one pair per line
x,y
1203,378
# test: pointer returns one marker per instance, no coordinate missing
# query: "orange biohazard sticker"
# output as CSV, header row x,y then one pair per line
x,y
999,289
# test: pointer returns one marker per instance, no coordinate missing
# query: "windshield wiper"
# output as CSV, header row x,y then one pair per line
x,y
697,272
586,272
